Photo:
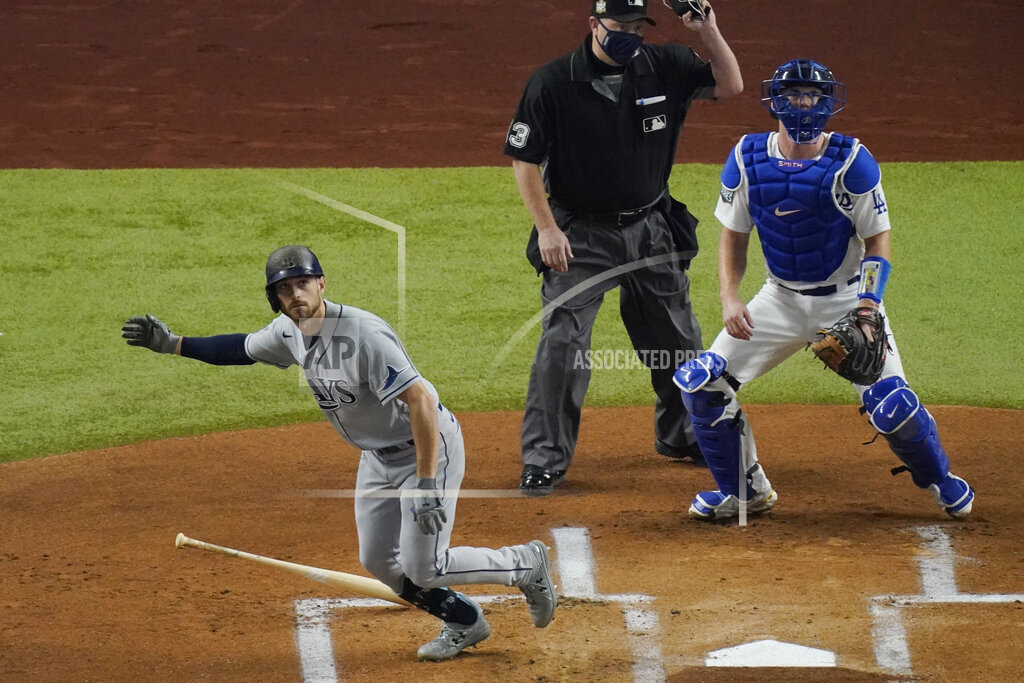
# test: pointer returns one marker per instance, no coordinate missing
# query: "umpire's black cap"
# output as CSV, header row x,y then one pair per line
x,y
623,11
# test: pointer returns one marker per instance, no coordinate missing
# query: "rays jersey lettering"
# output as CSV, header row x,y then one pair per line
x,y
355,367
331,394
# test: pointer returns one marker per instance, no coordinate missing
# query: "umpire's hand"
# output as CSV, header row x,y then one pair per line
x,y
151,333
426,508
554,249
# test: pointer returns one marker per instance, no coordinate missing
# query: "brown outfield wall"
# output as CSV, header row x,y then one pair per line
x,y
91,587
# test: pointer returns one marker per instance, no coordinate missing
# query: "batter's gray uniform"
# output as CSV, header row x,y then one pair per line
x,y
356,368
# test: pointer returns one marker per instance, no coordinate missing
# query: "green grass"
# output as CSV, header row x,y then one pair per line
x,y
82,250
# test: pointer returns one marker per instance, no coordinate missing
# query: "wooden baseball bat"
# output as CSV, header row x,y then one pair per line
x,y
360,585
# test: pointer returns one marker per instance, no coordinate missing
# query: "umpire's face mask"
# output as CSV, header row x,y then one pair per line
x,y
621,46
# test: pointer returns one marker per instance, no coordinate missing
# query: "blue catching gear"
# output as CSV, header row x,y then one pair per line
x,y
874,274
895,411
718,423
804,125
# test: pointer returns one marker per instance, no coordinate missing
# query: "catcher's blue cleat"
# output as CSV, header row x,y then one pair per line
x,y
954,495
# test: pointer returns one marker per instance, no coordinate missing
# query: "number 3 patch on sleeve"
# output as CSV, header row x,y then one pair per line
x,y
518,134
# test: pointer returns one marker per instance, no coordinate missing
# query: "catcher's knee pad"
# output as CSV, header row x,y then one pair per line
x,y
718,423
896,412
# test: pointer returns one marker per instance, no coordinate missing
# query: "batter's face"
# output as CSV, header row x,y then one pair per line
x,y
301,297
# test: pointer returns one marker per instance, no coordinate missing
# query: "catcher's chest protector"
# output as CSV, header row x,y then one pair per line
x,y
803,233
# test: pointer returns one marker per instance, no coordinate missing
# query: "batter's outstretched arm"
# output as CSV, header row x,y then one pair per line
x,y
732,264
554,245
152,333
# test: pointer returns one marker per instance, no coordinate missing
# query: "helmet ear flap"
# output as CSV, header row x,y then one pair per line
x,y
275,303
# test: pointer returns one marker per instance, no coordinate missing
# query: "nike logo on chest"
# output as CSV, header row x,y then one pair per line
x,y
780,214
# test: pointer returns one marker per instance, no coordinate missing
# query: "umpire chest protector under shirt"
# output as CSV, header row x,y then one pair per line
x,y
604,155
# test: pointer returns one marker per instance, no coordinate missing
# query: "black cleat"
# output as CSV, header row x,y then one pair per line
x,y
538,481
690,452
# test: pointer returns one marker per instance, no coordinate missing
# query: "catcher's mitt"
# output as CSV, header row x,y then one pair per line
x,y
698,8
844,348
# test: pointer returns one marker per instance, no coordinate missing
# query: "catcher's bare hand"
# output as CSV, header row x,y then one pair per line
x,y
426,508
555,250
737,319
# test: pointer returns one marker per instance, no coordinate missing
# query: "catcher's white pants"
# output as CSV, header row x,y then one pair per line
x,y
391,545
784,323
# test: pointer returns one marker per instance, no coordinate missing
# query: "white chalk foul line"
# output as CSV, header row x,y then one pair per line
x,y
462,493
373,220
575,563
938,585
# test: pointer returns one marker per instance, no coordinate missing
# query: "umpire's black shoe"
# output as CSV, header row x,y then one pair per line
x,y
690,452
539,481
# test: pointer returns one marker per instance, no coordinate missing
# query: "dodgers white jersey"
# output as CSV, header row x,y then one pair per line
x,y
865,208
356,367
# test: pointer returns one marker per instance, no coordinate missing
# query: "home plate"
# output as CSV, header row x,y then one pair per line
x,y
770,653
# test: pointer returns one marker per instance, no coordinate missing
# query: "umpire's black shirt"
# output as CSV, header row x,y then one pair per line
x,y
605,155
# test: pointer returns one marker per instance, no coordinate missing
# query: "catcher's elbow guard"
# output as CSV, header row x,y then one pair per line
x,y
874,274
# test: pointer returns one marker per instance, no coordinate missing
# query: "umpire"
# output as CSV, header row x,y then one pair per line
x,y
592,146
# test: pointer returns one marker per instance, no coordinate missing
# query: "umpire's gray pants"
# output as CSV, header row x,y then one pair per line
x,y
655,309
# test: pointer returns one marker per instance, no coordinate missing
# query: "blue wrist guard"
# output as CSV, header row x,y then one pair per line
x,y
874,273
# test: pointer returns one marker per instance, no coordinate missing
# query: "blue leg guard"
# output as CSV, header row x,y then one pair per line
x,y
895,411
719,424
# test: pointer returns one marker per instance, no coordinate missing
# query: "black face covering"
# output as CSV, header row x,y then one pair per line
x,y
621,46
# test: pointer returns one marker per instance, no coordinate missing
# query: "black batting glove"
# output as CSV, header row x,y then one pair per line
x,y
149,332
426,508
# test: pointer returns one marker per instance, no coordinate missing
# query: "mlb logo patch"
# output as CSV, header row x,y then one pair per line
x,y
636,3
655,123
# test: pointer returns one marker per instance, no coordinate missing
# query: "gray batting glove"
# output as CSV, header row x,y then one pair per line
x,y
149,332
426,509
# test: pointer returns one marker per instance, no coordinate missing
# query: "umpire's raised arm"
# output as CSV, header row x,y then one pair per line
x,y
728,79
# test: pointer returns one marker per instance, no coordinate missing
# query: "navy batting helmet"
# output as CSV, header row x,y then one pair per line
x,y
288,262
803,125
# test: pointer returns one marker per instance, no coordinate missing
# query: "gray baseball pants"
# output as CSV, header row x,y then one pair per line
x,y
655,309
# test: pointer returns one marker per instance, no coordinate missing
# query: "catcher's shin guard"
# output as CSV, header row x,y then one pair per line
x,y
896,412
720,426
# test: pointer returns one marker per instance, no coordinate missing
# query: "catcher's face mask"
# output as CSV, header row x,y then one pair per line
x,y
803,94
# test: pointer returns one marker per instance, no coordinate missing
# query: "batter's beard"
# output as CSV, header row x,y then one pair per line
x,y
304,316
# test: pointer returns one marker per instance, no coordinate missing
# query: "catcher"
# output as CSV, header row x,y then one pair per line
x,y
816,200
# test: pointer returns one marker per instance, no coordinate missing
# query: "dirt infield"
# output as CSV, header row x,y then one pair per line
x,y
95,590
852,561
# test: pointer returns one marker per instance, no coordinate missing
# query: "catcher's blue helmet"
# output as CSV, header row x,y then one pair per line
x,y
803,125
288,262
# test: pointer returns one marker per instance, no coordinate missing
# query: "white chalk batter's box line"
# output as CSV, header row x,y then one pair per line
x,y
574,559
575,565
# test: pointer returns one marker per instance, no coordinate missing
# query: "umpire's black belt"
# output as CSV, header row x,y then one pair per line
x,y
821,291
617,217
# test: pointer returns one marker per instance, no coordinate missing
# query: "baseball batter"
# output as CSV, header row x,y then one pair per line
x,y
370,390
817,203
